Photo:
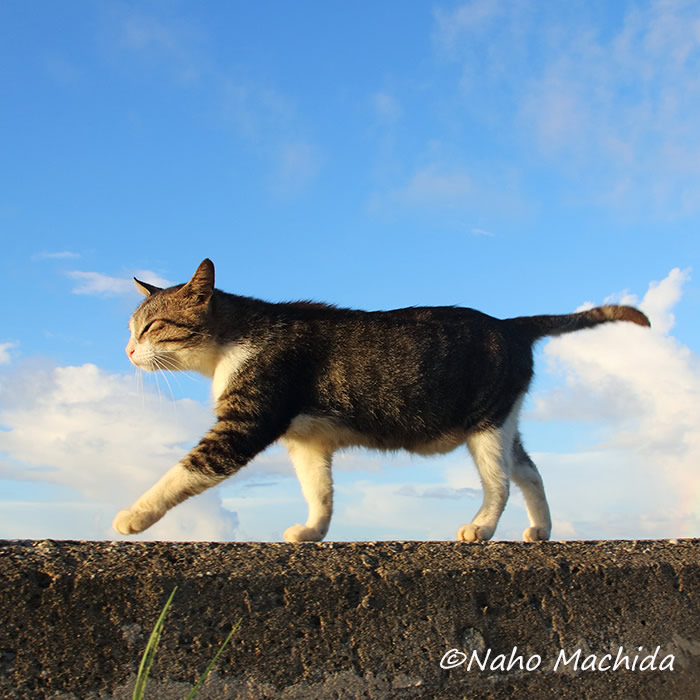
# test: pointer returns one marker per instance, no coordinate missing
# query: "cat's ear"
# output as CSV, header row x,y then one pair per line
x,y
145,288
201,286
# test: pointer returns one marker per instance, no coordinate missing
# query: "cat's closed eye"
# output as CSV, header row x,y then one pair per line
x,y
153,327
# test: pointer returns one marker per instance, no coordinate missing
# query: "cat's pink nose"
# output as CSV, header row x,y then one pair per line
x,y
130,348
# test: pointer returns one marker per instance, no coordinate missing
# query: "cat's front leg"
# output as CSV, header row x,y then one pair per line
x,y
312,462
174,487
227,447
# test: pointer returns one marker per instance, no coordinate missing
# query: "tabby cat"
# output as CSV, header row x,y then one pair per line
x,y
320,378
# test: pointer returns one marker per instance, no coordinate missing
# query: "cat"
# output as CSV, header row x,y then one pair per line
x,y
320,378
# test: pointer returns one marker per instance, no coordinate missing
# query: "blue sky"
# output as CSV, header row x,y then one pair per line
x,y
515,157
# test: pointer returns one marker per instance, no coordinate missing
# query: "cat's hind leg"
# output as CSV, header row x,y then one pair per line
x,y
492,451
529,481
312,463
486,447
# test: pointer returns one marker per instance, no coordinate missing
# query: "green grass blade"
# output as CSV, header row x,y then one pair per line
x,y
214,660
150,652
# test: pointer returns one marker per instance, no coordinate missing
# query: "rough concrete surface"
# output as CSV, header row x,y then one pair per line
x,y
353,620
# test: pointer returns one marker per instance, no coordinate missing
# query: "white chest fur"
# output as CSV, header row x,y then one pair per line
x,y
232,360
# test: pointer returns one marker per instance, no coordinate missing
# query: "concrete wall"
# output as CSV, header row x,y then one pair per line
x,y
347,620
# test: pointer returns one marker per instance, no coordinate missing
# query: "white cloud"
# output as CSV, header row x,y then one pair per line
x,y
401,510
630,102
96,433
609,101
105,285
152,278
662,297
639,388
97,283
5,356
440,492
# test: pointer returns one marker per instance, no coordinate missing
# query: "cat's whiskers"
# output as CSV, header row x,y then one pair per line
x,y
162,362
163,365
156,373
139,387
170,389
160,369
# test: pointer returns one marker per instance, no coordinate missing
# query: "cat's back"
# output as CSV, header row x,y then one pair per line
x,y
314,313
414,336
404,344
326,326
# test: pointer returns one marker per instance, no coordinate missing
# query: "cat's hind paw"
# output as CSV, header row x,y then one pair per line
x,y
536,534
301,533
129,522
474,533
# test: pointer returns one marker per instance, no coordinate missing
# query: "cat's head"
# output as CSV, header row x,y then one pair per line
x,y
171,328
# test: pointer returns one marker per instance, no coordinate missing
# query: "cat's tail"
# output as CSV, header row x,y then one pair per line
x,y
541,326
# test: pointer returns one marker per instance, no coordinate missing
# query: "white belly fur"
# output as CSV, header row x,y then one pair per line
x,y
333,435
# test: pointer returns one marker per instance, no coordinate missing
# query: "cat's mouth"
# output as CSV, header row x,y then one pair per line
x,y
148,363
140,356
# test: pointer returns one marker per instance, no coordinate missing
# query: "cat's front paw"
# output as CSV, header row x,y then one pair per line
x,y
300,533
536,534
129,522
474,533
